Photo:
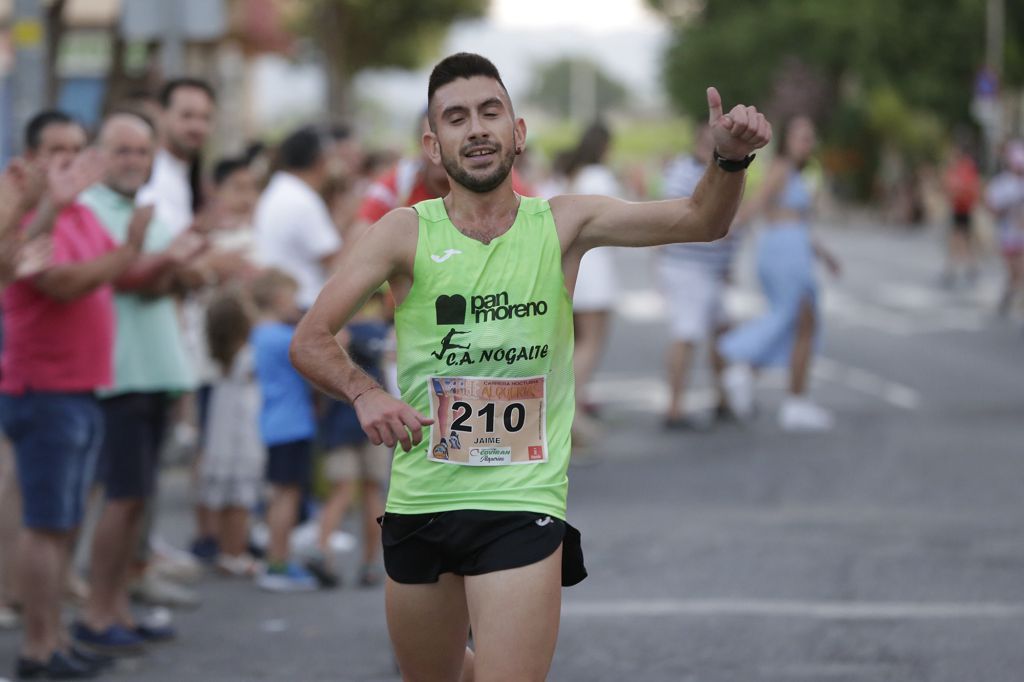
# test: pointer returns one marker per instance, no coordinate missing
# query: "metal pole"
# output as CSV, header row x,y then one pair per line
x,y
28,79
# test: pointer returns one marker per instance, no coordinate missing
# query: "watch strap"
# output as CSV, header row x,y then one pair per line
x,y
732,165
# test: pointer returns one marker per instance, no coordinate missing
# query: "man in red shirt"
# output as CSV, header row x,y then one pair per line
x,y
58,349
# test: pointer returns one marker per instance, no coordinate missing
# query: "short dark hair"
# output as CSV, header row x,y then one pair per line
x,y
169,88
461,65
301,150
43,120
226,167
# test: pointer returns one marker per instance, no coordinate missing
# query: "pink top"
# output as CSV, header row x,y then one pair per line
x,y
54,346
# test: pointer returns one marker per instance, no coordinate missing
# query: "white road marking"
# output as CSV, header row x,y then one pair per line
x,y
897,310
824,610
650,394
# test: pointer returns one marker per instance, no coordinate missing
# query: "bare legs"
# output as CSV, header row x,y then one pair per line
x,y
962,256
111,562
591,330
803,349
40,565
514,614
281,517
1014,278
10,522
678,361
233,531
333,513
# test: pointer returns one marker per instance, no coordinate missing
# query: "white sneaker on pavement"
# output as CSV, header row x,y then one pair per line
x,y
801,414
738,382
157,591
174,564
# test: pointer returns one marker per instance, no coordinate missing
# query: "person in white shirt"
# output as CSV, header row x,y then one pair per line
x,y
596,284
186,121
294,230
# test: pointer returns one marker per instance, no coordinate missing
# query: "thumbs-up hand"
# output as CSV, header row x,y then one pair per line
x,y
738,133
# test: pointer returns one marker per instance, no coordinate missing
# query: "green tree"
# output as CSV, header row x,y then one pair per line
x,y
576,86
359,34
902,71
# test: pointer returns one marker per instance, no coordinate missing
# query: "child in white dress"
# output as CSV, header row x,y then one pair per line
x,y
231,471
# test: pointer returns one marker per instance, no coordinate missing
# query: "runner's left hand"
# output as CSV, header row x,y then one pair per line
x,y
740,132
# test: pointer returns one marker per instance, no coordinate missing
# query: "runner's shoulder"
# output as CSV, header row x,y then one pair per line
x,y
395,233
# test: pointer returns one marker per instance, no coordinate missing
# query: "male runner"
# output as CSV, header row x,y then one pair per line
x,y
478,537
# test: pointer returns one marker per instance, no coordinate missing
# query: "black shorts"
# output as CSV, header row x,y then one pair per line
x,y
135,424
420,547
290,463
961,222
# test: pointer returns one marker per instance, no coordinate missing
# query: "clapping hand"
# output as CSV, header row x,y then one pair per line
x,y
67,182
138,225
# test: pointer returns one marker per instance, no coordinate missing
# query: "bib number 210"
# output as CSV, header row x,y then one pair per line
x,y
513,417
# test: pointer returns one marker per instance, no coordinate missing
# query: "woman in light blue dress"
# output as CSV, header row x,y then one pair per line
x,y
786,253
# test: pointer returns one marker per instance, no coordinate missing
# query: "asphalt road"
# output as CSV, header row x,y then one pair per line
x,y
890,549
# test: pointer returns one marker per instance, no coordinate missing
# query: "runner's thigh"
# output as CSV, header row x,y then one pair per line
x,y
515,620
429,626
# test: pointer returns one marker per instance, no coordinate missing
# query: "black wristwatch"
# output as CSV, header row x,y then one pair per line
x,y
731,166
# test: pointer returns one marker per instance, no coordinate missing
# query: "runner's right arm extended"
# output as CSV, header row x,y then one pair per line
x,y
385,251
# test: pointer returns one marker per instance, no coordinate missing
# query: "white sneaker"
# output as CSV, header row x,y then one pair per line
x,y
240,566
156,591
800,414
174,564
738,382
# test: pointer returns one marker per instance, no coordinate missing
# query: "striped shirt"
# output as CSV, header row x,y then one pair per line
x,y
681,178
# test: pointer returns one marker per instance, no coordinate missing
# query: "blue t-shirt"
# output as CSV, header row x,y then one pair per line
x,y
286,413
340,425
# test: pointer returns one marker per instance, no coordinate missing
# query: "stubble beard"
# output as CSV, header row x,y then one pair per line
x,y
473,183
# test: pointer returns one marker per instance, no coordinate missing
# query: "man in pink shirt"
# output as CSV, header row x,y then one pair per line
x,y
58,349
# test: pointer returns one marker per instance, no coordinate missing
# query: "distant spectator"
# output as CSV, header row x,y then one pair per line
x,y
1005,198
150,367
234,457
187,107
287,425
963,188
58,349
294,231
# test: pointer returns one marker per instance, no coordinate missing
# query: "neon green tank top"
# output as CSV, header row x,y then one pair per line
x,y
485,342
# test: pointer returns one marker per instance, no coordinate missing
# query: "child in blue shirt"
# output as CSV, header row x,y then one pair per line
x,y
287,425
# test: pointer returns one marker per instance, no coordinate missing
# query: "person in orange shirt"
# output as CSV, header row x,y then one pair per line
x,y
963,188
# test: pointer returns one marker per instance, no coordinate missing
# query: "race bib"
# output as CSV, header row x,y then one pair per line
x,y
487,422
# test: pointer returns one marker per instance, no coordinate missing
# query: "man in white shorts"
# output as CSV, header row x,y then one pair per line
x,y
693,278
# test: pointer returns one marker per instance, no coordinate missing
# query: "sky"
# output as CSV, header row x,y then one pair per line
x,y
588,15
625,38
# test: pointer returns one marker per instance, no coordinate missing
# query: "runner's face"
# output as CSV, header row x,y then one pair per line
x,y
475,134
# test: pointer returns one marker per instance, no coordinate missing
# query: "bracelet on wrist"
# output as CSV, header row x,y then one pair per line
x,y
363,392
